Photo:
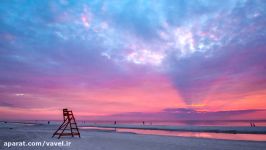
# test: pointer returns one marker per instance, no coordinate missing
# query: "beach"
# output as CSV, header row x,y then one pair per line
x,y
111,140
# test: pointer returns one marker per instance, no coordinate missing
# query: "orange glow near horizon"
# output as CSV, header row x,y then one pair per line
x,y
148,97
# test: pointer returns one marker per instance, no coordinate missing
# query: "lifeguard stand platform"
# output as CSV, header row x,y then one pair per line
x,y
69,126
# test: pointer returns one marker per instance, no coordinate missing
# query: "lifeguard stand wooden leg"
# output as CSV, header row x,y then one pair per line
x,y
68,124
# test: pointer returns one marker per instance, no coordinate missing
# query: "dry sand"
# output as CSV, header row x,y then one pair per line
x,y
100,140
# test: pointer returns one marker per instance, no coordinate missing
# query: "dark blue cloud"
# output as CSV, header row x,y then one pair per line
x,y
182,114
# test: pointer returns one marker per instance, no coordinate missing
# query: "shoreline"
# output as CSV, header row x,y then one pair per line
x,y
209,129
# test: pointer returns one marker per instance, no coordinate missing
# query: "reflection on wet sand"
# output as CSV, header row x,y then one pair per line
x,y
226,136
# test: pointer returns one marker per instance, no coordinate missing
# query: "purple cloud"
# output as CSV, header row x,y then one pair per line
x,y
202,47
181,114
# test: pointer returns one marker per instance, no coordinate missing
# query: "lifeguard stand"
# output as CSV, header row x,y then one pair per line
x,y
69,124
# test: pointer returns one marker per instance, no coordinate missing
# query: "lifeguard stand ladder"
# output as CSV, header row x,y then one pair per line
x,y
69,124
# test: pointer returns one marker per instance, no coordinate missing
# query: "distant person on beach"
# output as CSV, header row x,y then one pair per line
x,y
143,122
48,122
252,124
115,126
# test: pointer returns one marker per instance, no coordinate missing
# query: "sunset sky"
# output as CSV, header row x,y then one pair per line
x,y
133,59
